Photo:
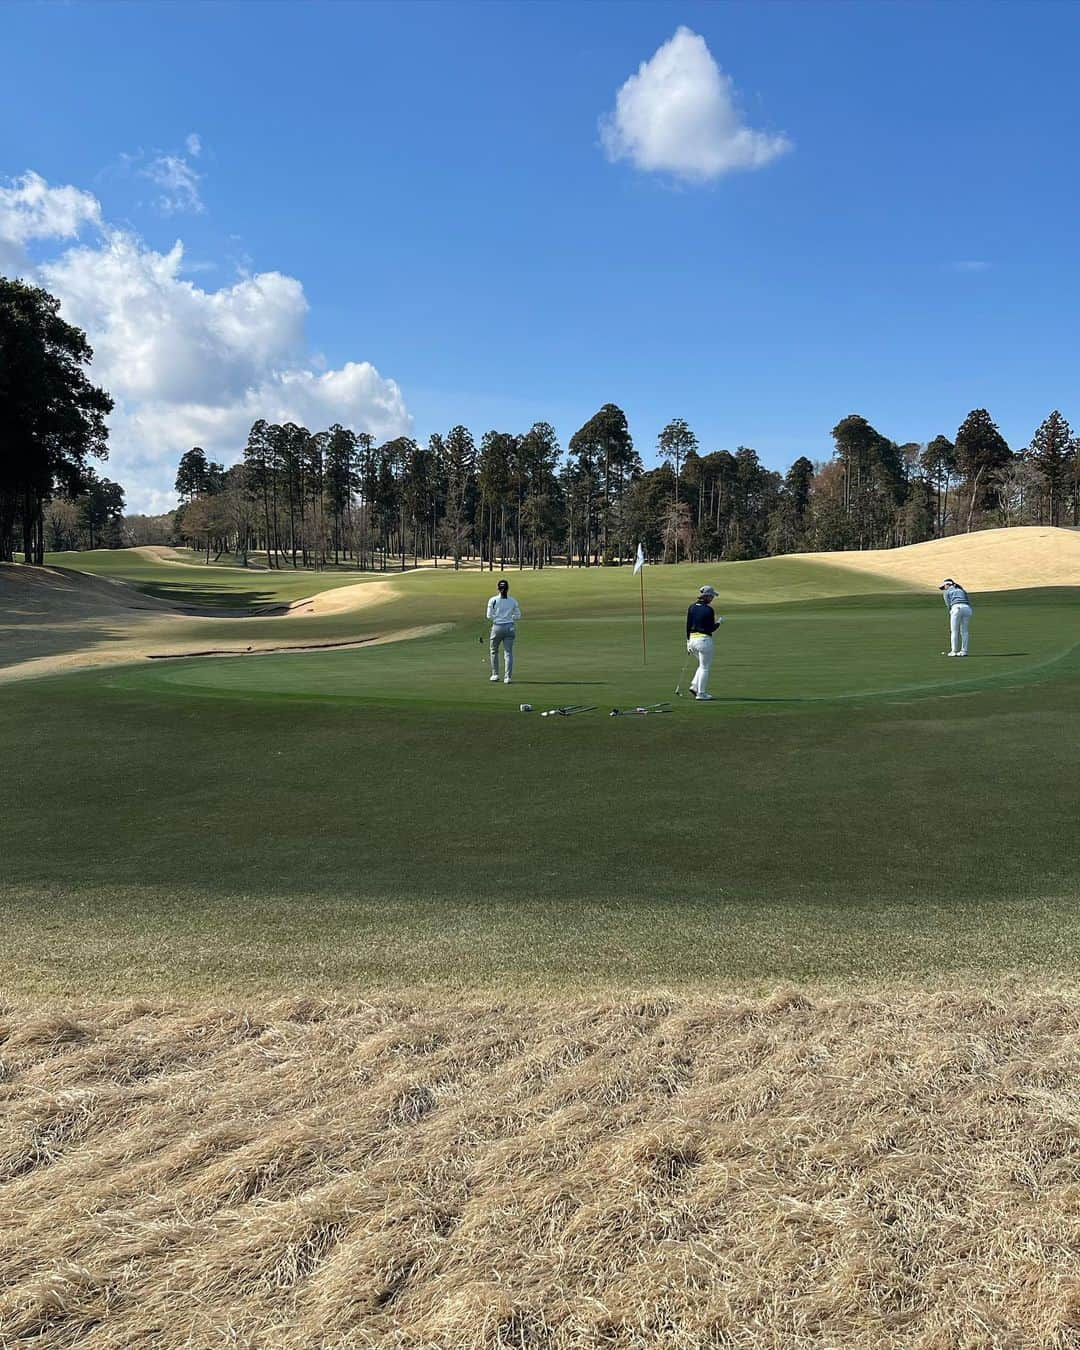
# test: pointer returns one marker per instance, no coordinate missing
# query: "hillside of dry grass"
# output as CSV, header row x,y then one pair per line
x,y
671,1171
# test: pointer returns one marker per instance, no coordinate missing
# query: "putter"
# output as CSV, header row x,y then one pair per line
x,y
682,675
569,709
641,711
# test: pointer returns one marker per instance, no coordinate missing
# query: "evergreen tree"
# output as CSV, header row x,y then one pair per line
x,y
192,474
604,463
51,417
675,443
981,457
790,520
341,481
262,483
938,462
459,473
1050,452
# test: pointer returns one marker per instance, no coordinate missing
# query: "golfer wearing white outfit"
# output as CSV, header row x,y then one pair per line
x,y
701,623
503,611
958,604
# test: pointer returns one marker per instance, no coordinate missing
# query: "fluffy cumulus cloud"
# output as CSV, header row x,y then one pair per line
x,y
679,115
186,366
31,209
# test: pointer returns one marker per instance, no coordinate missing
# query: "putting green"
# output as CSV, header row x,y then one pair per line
x,y
787,654
853,805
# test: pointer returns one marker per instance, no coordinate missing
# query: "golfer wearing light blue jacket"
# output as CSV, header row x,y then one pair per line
x,y
503,611
959,606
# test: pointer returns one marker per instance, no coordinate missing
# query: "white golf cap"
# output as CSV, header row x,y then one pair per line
x,y
707,590
947,582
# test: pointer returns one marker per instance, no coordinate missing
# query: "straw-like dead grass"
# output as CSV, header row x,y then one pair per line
x,y
53,621
674,1171
987,560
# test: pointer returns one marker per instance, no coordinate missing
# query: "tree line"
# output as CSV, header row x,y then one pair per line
x,y
303,499
299,498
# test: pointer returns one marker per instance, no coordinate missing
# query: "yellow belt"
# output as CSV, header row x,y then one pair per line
x,y
697,634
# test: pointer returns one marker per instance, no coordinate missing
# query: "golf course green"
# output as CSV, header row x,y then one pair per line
x,y
851,805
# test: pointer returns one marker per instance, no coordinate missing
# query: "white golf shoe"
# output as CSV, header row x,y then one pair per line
x,y
704,698
508,680
493,679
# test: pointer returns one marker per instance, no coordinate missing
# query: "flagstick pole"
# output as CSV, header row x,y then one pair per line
x,y
644,659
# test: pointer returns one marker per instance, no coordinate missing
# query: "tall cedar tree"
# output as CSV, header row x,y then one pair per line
x,y
1051,452
981,457
605,462
938,461
675,443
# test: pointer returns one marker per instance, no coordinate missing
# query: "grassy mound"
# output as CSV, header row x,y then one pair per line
x,y
672,1171
988,560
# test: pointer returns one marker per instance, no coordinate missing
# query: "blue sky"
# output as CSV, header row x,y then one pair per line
x,y
430,185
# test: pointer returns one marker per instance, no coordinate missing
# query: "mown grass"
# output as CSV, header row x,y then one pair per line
x,y
261,840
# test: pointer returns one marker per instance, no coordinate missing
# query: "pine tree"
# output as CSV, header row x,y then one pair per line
x,y
1051,452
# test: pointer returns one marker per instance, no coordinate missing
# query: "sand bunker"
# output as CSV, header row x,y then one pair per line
x,y
54,620
989,560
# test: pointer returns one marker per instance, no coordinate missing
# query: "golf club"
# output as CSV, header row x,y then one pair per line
x,y
641,710
569,710
682,675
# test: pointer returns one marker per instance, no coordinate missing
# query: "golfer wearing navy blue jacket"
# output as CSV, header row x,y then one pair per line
x,y
701,624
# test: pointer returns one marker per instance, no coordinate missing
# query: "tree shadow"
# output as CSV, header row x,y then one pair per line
x,y
203,601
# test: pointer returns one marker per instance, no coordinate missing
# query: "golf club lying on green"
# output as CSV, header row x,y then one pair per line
x,y
569,710
641,711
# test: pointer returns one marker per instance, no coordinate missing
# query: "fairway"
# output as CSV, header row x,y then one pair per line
x,y
382,813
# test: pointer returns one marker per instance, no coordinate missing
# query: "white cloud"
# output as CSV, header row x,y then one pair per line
x,y
194,145
158,335
179,183
678,115
189,366
31,209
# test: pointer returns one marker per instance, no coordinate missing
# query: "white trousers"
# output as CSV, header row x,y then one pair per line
x,y
702,648
503,633
959,623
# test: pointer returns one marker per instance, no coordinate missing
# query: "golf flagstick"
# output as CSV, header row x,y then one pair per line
x,y
639,570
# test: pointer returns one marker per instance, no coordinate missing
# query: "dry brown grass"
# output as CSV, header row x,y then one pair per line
x,y
670,1171
53,621
987,560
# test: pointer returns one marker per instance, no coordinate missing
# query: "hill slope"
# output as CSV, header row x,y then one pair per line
x,y
989,560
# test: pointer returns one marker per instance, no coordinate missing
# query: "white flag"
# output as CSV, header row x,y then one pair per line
x,y
639,561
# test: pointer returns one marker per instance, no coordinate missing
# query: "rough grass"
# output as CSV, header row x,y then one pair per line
x,y
873,1170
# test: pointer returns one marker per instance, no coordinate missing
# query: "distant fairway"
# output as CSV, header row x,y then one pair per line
x,y
852,806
